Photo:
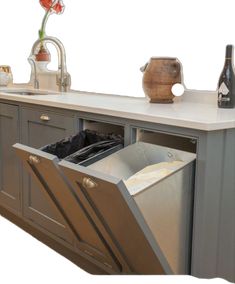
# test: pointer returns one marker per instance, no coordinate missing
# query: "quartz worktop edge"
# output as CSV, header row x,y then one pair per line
x,y
188,114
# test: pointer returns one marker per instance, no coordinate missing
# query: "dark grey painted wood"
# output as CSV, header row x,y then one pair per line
x,y
38,133
207,201
226,245
214,209
9,164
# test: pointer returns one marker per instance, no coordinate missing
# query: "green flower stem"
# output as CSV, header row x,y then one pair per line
x,y
44,21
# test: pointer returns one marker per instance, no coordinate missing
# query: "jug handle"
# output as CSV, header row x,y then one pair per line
x,y
143,68
177,68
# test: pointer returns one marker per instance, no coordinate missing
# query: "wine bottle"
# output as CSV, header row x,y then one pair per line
x,y
226,86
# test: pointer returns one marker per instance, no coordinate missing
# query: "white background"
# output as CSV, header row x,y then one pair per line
x,y
107,41
24,260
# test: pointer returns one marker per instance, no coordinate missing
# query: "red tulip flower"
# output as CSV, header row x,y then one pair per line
x,y
51,6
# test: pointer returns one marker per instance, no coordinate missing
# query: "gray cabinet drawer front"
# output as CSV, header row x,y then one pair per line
x,y
37,132
9,164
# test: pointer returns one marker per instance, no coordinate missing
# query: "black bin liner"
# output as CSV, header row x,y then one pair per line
x,y
84,145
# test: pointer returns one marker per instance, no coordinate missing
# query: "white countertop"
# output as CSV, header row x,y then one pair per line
x,y
196,109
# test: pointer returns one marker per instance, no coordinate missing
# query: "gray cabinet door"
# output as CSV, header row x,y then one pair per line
x,y
91,238
9,164
40,128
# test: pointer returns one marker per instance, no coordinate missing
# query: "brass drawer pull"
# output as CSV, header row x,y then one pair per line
x,y
45,117
34,160
89,183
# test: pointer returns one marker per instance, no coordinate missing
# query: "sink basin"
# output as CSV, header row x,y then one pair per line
x,y
22,93
28,92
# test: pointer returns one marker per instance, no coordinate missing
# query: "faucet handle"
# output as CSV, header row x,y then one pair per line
x,y
64,82
68,80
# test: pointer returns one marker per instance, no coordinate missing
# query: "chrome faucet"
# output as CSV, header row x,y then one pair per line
x,y
63,80
36,82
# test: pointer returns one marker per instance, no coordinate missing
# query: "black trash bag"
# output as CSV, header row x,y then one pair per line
x,y
84,138
92,150
67,146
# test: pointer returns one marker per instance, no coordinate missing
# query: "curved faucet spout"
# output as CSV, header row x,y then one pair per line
x,y
64,79
36,82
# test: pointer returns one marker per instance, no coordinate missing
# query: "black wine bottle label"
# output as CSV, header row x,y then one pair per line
x,y
224,92
226,86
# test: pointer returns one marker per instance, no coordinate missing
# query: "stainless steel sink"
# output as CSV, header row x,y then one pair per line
x,y
27,92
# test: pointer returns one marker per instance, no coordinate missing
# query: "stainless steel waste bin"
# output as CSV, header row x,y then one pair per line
x,y
163,191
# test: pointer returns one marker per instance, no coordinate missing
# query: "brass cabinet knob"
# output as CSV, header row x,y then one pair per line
x,y
89,183
34,159
45,117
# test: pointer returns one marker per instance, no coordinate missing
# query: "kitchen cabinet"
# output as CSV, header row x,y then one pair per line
x,y
199,128
103,216
9,164
38,128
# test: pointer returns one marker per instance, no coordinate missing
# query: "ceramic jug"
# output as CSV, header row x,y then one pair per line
x,y
160,74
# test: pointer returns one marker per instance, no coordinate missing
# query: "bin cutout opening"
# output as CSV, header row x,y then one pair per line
x,y
103,127
168,140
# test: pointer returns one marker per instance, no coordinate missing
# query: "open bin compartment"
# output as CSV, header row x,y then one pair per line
x,y
85,147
